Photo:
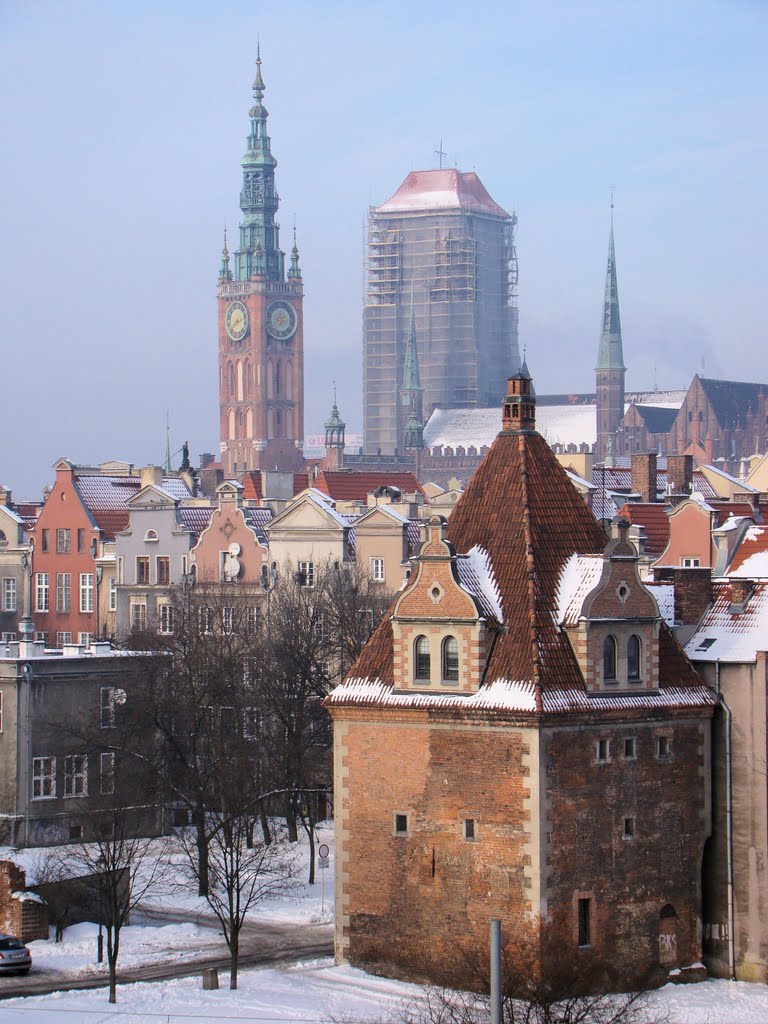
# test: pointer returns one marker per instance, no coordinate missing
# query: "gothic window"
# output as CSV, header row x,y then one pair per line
x,y
239,381
270,423
421,659
278,423
633,658
289,424
239,423
609,659
249,423
450,660
247,380
270,380
231,380
231,418
277,378
288,380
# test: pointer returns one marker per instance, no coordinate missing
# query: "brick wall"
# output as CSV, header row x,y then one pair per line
x,y
27,919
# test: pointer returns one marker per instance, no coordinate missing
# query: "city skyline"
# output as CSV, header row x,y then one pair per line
x,y
109,268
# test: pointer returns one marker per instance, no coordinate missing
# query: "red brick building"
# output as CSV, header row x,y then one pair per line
x,y
521,739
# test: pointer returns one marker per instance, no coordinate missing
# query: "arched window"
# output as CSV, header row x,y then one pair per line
x,y
278,371
609,658
450,660
249,423
247,379
3,539
231,380
633,658
239,381
231,423
421,660
151,536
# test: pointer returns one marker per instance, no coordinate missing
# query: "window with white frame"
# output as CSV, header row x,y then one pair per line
x,y
76,775
63,591
63,637
107,772
9,594
85,639
42,591
112,594
8,637
252,620
165,619
63,541
138,615
151,537
690,563
86,591
206,620
306,574
228,620
43,778
107,707
42,636
377,570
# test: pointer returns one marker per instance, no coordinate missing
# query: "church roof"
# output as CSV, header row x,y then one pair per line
x,y
658,419
523,513
731,399
446,189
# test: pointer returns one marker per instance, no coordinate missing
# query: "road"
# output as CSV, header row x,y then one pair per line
x,y
260,944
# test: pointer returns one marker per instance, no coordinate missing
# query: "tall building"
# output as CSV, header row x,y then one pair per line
x,y
443,248
610,369
261,345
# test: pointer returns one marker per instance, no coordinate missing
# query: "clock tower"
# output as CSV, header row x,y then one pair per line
x,y
261,344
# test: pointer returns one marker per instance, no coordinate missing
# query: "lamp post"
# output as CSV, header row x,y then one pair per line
x,y
100,940
26,625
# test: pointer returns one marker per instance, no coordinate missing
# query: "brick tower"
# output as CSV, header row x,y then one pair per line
x,y
261,344
610,369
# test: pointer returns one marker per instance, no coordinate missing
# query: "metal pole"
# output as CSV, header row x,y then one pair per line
x,y
495,972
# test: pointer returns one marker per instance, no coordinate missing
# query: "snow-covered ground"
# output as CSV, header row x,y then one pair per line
x,y
308,992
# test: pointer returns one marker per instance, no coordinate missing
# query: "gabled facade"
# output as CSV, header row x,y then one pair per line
x,y
309,533
521,739
14,576
233,548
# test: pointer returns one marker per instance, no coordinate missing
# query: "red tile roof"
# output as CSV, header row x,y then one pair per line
x,y
654,518
747,561
521,508
348,485
252,490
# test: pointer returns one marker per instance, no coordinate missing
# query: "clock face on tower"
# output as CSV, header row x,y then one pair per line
x,y
236,321
282,320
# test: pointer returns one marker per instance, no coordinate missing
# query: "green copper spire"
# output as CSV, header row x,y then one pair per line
x,y
225,274
611,356
294,271
411,378
259,251
334,426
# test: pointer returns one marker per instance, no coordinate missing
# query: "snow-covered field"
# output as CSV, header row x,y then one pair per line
x,y
308,992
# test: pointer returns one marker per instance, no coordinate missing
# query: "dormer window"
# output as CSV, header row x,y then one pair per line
x,y
421,660
609,660
633,659
450,660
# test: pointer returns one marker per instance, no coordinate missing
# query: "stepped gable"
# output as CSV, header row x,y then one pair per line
x,y
523,510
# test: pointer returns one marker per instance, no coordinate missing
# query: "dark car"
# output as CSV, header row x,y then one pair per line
x,y
14,955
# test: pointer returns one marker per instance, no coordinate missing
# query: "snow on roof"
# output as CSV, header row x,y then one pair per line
x,y
742,484
476,576
731,637
578,578
751,558
516,696
665,599
477,428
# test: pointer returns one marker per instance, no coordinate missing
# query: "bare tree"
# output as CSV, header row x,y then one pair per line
x,y
243,869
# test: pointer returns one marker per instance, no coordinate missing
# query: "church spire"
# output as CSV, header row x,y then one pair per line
x,y
411,393
294,271
225,274
411,378
611,356
610,369
258,198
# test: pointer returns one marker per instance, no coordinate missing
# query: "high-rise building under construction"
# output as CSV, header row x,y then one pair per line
x,y
441,265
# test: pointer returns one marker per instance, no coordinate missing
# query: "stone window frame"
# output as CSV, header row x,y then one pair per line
x,y
447,677
163,569
421,679
632,755
637,677
579,900
401,817
469,829
143,569
609,638
599,758
663,740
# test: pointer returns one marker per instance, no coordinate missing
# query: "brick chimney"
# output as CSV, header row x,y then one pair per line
x,y
693,591
644,475
679,477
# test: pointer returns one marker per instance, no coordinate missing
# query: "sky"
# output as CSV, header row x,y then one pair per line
x,y
123,126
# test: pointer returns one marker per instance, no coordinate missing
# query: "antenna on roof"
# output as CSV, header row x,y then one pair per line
x,y
167,442
440,153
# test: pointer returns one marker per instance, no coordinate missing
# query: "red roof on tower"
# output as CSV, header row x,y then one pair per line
x,y
445,189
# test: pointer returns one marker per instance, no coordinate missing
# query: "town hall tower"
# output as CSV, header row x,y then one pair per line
x,y
261,345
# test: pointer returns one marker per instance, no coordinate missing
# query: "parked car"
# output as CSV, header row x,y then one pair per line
x,y
14,955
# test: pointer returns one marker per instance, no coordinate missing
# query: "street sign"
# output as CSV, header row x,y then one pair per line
x,y
323,850
323,862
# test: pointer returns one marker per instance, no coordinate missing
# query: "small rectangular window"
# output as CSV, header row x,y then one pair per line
x,y
584,922
81,540
139,615
86,591
75,831
377,570
401,824
629,828
663,746
163,569
63,637
107,704
603,750
630,747
42,591
142,569
112,594
45,541
690,563
76,775
306,574
228,620
63,542
85,639
63,591
9,594
469,829
107,773
166,619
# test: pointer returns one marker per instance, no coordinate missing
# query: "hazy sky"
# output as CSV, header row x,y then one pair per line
x,y
123,125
